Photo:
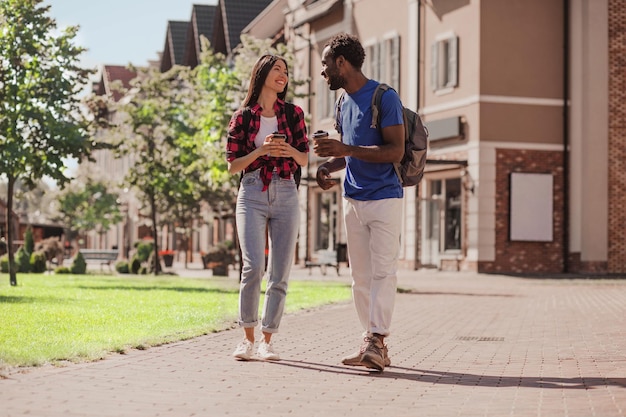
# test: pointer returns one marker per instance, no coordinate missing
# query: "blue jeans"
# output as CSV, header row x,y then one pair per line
x,y
276,211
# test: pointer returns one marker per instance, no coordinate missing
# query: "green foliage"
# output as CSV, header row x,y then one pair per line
x,y
144,249
91,207
135,264
4,263
62,270
22,260
122,267
29,243
38,262
41,119
79,266
42,123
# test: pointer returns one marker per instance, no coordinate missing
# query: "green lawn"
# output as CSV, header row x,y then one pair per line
x,y
48,318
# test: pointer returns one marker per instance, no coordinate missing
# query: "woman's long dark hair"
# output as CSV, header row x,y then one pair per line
x,y
258,76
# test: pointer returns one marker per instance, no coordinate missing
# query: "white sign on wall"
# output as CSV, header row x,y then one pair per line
x,y
531,214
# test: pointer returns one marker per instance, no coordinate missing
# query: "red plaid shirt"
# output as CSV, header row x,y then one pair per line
x,y
240,144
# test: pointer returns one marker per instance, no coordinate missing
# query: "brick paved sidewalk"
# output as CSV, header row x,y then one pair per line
x,y
463,345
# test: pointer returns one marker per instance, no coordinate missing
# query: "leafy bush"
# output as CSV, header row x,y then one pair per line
x,y
122,267
62,270
29,243
22,260
3,246
38,262
4,263
144,249
79,266
135,264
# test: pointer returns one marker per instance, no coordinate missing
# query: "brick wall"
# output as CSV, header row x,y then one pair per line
x,y
617,137
526,257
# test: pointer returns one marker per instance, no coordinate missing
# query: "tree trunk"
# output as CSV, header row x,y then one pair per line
x,y
9,226
155,232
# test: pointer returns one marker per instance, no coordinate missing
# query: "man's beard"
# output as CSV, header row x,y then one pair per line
x,y
337,82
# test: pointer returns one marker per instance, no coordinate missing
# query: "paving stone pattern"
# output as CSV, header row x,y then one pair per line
x,y
463,344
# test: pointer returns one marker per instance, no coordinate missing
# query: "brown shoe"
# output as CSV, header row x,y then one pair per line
x,y
373,357
356,358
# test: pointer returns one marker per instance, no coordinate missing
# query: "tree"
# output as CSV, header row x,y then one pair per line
x,y
151,122
92,207
41,123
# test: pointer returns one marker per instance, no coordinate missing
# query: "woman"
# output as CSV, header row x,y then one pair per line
x,y
267,200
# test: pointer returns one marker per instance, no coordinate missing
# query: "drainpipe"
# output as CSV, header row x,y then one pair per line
x,y
566,17
418,213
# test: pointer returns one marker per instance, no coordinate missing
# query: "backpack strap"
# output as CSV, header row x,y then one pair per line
x,y
338,105
377,99
246,118
290,112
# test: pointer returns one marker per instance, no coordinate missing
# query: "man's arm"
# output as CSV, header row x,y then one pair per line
x,y
391,151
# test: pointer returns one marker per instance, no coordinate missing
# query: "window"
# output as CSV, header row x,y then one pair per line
x,y
382,61
444,64
444,222
452,238
326,101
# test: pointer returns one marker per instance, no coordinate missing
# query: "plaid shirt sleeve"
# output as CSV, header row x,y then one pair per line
x,y
236,146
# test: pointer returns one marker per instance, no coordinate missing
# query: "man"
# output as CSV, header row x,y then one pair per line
x,y
372,191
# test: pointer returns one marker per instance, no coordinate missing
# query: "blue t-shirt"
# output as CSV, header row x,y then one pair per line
x,y
368,180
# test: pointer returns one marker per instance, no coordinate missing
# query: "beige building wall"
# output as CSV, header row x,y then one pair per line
x,y
589,131
511,101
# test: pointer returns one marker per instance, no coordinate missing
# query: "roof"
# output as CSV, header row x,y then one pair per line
x,y
174,49
235,16
202,24
111,73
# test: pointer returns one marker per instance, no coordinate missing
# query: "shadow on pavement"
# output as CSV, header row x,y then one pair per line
x,y
463,379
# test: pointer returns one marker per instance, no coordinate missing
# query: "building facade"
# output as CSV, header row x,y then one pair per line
x,y
524,103
525,112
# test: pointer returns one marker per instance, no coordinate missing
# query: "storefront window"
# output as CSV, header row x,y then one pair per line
x,y
453,214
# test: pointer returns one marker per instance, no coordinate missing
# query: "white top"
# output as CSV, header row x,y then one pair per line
x,y
268,126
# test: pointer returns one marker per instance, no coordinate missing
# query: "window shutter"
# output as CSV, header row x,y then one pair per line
x,y
453,64
395,62
433,65
384,59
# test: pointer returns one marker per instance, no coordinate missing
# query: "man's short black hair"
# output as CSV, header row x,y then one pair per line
x,y
349,47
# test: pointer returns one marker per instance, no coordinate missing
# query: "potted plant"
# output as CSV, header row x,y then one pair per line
x,y
218,258
168,257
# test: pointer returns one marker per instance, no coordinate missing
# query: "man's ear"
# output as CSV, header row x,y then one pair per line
x,y
340,60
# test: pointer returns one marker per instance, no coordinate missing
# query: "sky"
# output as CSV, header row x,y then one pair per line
x,y
119,32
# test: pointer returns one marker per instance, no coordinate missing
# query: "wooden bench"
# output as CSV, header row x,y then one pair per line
x,y
103,255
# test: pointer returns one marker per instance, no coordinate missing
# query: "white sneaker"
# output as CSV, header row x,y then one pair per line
x,y
244,350
267,353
